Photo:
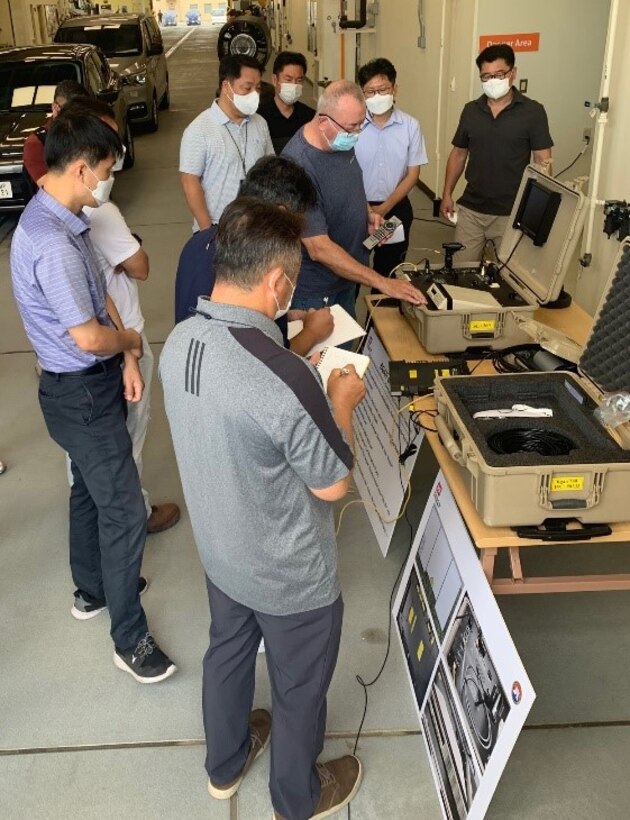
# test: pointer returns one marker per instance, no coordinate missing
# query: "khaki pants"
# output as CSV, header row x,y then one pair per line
x,y
474,229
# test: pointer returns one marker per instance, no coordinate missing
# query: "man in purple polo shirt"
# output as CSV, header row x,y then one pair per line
x,y
89,367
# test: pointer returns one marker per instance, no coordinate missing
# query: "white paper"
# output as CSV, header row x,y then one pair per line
x,y
334,357
396,237
345,330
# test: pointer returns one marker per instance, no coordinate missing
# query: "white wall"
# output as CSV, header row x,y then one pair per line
x,y
566,70
615,170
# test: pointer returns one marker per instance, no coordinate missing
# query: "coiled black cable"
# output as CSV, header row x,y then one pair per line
x,y
530,440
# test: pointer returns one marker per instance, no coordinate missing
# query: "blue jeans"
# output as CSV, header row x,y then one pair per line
x,y
346,298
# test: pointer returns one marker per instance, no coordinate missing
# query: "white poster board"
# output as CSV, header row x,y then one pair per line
x,y
381,434
470,688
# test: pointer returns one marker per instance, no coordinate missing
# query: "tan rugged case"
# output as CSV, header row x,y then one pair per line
x,y
533,276
592,483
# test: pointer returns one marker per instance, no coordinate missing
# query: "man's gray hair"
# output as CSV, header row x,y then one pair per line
x,y
330,100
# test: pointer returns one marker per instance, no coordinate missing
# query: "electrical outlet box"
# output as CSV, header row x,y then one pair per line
x,y
587,134
522,86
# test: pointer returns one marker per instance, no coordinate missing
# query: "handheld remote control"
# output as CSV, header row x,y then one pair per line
x,y
387,229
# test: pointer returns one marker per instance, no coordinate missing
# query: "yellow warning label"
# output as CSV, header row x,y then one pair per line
x,y
413,374
420,651
482,325
567,483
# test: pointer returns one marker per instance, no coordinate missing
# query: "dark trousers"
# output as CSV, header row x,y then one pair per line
x,y
386,257
301,652
86,416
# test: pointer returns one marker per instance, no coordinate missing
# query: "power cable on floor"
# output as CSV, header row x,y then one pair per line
x,y
413,430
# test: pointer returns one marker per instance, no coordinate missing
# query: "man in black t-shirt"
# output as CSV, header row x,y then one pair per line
x,y
284,114
498,135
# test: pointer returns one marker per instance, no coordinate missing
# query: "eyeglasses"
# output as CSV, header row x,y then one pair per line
x,y
374,91
497,75
354,130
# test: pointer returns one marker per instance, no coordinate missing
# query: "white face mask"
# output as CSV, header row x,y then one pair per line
x,y
118,165
247,104
495,89
103,188
283,311
290,92
380,103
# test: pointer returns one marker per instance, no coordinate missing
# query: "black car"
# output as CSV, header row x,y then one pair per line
x,y
28,77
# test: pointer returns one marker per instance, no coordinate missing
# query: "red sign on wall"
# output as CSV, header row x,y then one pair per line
x,y
519,42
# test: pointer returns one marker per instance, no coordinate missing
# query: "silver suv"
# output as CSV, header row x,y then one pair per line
x,y
133,46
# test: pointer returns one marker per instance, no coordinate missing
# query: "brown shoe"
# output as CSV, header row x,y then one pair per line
x,y
260,732
163,516
340,780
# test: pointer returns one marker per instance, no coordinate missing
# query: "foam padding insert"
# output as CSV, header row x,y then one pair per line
x,y
606,358
572,417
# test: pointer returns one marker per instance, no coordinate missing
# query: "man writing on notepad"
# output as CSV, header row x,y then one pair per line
x,y
262,453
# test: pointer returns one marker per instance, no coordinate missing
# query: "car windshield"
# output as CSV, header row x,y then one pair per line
x,y
31,84
115,39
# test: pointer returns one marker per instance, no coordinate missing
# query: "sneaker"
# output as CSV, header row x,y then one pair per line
x,y
146,663
86,607
340,781
260,733
163,517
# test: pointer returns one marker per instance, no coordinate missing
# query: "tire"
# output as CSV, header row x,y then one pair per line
x,y
245,35
165,102
130,153
154,122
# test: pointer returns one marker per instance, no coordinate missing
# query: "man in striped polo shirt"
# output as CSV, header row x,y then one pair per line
x,y
62,298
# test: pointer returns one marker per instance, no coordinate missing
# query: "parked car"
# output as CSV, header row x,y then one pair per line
x,y
133,45
193,18
169,18
28,77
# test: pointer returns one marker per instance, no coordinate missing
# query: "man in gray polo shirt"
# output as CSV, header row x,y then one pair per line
x,y
262,453
220,146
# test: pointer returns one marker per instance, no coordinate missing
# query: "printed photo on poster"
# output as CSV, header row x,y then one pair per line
x,y
476,681
438,571
418,637
449,750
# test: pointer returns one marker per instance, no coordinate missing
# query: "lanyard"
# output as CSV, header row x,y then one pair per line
x,y
242,156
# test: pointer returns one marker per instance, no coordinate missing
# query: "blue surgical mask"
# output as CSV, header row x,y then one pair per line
x,y
344,141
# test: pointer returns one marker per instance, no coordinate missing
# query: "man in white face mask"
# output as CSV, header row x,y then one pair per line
x,y
263,452
390,152
124,263
498,135
89,365
285,114
220,146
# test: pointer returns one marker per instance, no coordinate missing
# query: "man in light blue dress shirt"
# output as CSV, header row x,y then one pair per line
x,y
390,151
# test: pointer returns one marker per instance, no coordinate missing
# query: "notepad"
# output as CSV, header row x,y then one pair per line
x,y
345,330
334,357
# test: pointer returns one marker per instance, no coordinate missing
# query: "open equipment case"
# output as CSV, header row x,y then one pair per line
x,y
533,259
568,465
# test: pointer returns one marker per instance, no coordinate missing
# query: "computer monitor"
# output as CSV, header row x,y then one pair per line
x,y
536,211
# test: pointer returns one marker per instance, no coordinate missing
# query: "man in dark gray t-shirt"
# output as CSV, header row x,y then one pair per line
x,y
262,452
334,259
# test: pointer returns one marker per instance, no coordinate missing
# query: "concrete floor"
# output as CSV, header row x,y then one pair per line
x,y
77,736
